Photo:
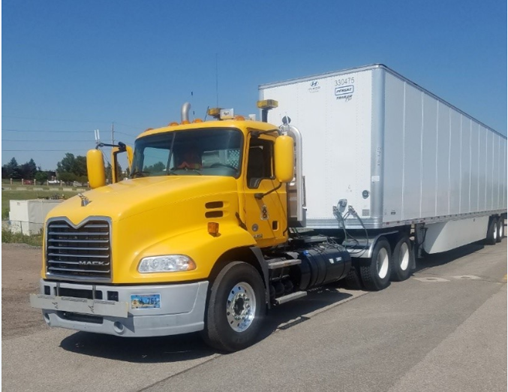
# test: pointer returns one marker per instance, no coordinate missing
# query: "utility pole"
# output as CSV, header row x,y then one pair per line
x,y
112,133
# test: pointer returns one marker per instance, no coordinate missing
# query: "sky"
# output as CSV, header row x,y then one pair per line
x,y
71,67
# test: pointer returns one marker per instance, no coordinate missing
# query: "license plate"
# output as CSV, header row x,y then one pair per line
x,y
145,301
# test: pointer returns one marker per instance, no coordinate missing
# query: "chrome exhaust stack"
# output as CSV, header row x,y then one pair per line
x,y
185,111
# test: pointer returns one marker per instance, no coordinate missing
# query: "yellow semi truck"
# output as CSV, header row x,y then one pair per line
x,y
184,246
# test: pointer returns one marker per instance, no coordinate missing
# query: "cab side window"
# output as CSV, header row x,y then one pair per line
x,y
259,165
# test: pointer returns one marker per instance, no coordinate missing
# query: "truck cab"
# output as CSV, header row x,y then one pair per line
x,y
179,245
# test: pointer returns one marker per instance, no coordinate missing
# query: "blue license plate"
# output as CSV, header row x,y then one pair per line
x,y
145,301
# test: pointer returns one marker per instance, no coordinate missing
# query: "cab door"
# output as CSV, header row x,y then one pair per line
x,y
265,208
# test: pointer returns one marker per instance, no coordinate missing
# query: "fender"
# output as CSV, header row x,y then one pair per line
x,y
197,244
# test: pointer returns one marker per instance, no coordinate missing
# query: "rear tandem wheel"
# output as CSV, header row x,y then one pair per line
x,y
375,272
402,259
492,231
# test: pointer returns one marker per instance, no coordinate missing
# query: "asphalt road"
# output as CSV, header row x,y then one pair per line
x,y
444,329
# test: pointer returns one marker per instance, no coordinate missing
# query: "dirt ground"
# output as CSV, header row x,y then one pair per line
x,y
21,266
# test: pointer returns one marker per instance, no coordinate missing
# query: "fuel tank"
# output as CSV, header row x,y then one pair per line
x,y
322,265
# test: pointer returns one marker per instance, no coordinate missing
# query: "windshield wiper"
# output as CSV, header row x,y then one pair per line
x,y
139,173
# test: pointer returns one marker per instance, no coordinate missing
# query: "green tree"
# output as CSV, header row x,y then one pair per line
x,y
11,170
66,165
28,170
67,177
157,167
70,168
41,176
80,166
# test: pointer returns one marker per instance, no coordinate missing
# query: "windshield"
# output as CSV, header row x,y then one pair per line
x,y
211,151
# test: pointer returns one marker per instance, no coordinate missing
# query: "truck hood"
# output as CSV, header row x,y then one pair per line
x,y
131,197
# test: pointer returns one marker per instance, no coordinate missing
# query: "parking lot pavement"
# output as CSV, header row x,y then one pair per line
x,y
443,329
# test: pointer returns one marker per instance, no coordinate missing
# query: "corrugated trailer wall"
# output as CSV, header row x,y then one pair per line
x,y
438,162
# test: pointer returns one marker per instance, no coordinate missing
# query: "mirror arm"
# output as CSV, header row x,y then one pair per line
x,y
261,195
121,146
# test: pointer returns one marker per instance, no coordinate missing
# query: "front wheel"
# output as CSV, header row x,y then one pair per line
x,y
235,308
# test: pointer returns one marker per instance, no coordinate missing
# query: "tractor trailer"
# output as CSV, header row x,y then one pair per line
x,y
222,220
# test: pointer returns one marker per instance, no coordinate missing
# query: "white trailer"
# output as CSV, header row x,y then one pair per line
x,y
385,159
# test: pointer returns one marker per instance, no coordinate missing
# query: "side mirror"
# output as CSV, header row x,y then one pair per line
x,y
95,168
114,152
284,158
128,150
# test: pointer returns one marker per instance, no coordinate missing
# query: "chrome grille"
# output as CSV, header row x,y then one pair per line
x,y
78,253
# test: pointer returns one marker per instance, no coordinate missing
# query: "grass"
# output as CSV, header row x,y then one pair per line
x,y
18,238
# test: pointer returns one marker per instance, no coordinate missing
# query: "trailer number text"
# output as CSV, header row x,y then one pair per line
x,y
345,81
344,88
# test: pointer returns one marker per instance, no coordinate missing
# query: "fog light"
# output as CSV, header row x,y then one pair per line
x,y
118,327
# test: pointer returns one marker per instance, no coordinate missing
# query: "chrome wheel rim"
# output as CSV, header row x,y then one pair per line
x,y
382,263
404,256
241,307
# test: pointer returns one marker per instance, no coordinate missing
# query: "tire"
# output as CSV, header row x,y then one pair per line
x,y
376,271
492,232
402,259
235,308
500,229
352,280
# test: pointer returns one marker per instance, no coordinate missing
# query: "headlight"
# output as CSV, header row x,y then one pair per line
x,y
167,263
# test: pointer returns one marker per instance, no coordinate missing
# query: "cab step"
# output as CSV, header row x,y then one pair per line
x,y
290,297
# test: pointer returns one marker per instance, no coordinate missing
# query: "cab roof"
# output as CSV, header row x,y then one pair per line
x,y
243,125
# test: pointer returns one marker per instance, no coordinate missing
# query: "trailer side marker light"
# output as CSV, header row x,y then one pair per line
x,y
213,229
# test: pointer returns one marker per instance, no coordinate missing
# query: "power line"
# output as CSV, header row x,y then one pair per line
x,y
43,131
46,140
56,119
68,132
123,133
129,126
66,150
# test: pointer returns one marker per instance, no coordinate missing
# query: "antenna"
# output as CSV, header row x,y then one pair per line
x,y
192,101
217,77
97,136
